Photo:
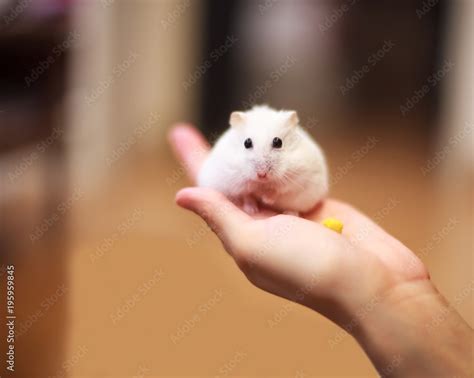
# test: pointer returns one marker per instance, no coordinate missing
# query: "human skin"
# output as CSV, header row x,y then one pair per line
x,y
364,279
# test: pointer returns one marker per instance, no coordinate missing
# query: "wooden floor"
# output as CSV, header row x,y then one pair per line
x,y
138,287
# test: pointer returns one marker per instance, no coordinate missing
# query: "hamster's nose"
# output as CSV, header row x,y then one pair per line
x,y
261,174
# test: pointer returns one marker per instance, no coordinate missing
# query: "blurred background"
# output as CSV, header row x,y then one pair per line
x,y
111,278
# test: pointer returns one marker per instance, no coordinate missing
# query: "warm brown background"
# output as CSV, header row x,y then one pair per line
x,y
299,344
123,230
237,325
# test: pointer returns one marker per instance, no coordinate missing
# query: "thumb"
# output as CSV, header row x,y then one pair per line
x,y
222,216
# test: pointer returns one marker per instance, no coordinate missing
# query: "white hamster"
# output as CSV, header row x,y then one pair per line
x,y
266,157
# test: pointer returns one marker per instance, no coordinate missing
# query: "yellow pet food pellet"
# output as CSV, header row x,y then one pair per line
x,y
334,224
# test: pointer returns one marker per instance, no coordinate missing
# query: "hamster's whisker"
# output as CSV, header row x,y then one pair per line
x,y
292,181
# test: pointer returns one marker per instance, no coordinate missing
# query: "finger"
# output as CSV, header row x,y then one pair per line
x,y
264,213
222,216
190,148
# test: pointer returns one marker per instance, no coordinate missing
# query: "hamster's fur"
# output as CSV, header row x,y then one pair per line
x,y
289,177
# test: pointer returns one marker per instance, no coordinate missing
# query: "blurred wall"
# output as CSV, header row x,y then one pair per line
x,y
453,155
128,81
125,80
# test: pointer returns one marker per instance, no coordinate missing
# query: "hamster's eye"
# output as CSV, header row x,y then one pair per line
x,y
248,143
277,143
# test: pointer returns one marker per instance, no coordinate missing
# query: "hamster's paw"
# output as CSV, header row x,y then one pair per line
x,y
268,200
250,205
290,212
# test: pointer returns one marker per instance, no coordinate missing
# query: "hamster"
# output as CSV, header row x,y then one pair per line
x,y
266,158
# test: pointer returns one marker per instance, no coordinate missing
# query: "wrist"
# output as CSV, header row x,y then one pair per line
x,y
411,329
410,302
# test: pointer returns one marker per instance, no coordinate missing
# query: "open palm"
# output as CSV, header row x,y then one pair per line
x,y
298,258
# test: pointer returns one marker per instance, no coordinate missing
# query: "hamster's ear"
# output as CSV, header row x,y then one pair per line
x,y
292,119
237,119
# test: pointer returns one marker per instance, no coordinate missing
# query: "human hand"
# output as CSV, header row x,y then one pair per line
x,y
364,280
298,258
